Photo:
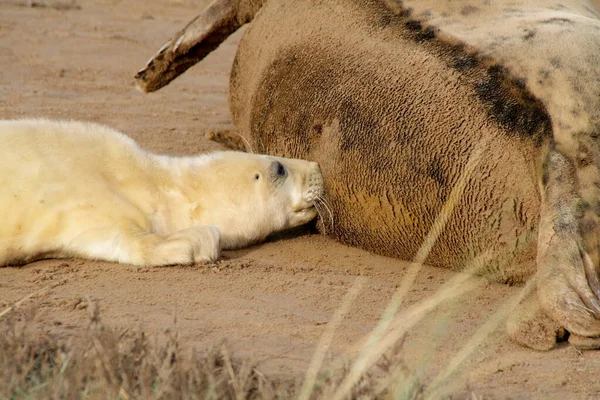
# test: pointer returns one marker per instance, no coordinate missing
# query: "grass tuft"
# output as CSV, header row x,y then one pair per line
x,y
104,362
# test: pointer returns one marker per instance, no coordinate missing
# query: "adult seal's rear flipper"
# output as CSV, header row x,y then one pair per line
x,y
194,42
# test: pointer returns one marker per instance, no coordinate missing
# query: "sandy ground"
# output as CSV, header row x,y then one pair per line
x,y
271,302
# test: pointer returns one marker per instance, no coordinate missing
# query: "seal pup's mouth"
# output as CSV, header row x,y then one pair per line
x,y
314,198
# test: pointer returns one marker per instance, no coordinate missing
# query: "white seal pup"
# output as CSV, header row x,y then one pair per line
x,y
73,189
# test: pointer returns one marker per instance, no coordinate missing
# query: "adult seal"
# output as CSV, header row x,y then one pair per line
x,y
73,189
482,115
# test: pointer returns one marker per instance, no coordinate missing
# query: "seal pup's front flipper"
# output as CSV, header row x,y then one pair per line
x,y
194,42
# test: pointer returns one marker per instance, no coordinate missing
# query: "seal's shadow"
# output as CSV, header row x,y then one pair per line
x,y
303,230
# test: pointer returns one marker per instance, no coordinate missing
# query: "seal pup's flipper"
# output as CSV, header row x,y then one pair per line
x,y
194,42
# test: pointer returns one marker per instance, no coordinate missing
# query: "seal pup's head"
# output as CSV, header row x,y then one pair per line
x,y
250,196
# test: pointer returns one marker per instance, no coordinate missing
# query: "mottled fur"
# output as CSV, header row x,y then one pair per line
x,y
393,99
72,189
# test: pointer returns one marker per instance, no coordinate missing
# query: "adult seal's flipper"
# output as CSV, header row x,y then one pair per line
x,y
194,42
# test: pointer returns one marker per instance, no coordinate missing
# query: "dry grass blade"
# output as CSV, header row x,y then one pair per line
x,y
327,338
27,297
361,364
247,143
234,382
490,325
104,362
460,284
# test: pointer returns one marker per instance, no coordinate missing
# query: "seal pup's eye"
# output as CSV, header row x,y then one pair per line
x,y
257,176
280,170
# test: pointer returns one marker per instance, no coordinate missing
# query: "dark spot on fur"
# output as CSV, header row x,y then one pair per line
x,y
564,223
560,21
421,33
436,172
555,62
468,10
521,83
353,120
464,62
413,25
584,156
407,12
512,10
509,101
587,225
581,207
385,20
545,177
545,171
530,34
428,33
511,105
318,129
596,209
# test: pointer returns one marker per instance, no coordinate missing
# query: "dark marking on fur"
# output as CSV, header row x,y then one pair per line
x,y
587,225
511,105
351,115
564,224
560,21
509,101
521,83
436,172
530,34
584,156
512,10
385,20
465,62
596,208
545,172
422,33
413,25
468,10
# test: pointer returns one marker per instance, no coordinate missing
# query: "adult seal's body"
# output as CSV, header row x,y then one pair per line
x,y
474,124
72,189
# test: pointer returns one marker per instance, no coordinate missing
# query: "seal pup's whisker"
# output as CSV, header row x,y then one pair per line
x,y
320,213
323,202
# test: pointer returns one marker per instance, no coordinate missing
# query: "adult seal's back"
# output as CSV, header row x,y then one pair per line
x,y
474,124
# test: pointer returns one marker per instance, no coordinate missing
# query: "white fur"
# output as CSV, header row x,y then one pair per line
x,y
72,189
